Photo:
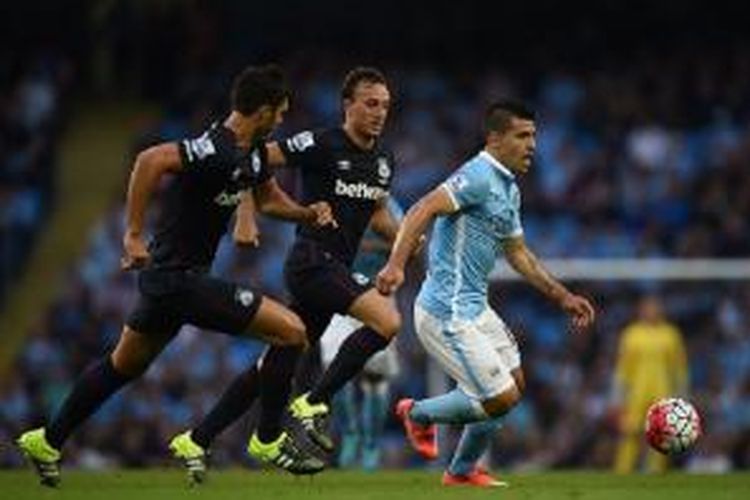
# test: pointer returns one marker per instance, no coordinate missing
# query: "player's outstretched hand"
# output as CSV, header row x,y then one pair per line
x,y
136,252
323,214
580,310
389,279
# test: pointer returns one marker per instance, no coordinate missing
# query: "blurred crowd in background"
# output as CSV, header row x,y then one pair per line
x,y
641,156
33,89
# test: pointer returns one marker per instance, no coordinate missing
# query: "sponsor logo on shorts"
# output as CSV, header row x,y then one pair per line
x,y
361,279
245,297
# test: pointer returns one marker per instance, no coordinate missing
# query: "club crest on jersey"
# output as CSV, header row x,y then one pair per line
x,y
255,162
384,170
344,165
361,279
244,297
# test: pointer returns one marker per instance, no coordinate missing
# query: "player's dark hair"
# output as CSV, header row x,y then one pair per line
x,y
499,113
257,86
358,75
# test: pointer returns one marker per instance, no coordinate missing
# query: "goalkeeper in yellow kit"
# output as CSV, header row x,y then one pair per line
x,y
651,364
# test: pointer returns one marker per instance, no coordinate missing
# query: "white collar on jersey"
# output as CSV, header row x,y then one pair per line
x,y
484,154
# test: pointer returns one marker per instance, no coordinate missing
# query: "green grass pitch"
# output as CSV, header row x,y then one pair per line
x,y
390,485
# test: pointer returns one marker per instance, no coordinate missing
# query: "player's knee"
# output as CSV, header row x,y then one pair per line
x,y
128,363
295,333
501,404
389,324
132,355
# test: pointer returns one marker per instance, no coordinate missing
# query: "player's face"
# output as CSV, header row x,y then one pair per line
x,y
516,145
650,310
367,110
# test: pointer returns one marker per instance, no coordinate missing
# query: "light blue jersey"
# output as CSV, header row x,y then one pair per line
x,y
369,261
465,245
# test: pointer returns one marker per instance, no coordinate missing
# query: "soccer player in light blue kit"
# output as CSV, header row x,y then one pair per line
x,y
478,218
362,426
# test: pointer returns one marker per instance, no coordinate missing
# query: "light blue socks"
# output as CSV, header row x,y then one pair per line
x,y
475,439
453,407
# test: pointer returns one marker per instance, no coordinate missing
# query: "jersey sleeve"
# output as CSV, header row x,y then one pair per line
x,y
259,164
516,228
302,149
466,188
199,153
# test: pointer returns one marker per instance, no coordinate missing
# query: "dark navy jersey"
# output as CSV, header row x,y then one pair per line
x,y
198,203
352,180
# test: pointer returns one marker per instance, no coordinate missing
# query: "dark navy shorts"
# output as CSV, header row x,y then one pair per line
x,y
320,285
168,299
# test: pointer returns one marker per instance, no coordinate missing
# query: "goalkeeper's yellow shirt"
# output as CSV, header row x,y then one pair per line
x,y
651,361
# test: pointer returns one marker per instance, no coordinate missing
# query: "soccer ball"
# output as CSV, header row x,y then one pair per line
x,y
672,426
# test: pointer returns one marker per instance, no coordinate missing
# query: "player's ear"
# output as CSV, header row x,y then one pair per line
x,y
265,112
493,137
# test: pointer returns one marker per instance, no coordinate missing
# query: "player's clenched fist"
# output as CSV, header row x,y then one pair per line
x,y
389,279
323,214
580,310
136,252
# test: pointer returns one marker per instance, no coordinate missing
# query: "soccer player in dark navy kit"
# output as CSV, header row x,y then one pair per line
x,y
348,167
212,173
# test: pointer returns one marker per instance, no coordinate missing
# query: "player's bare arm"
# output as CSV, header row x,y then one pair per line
x,y
148,169
246,230
275,156
523,260
383,222
410,234
273,201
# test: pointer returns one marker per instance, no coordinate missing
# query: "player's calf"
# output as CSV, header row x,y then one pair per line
x,y
377,312
389,324
277,325
135,351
